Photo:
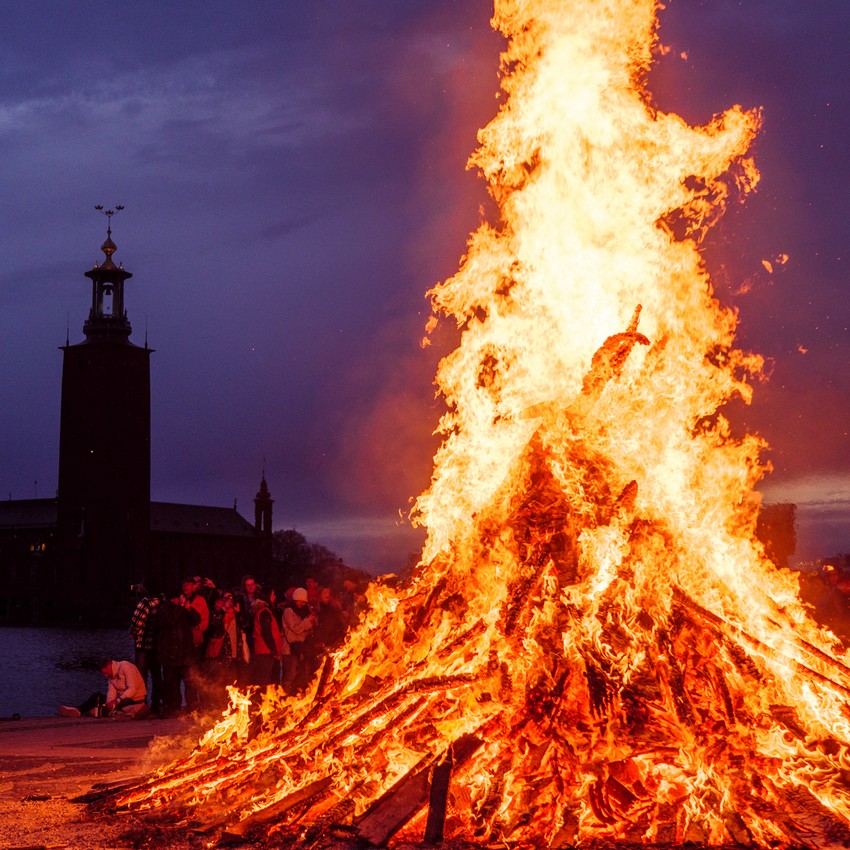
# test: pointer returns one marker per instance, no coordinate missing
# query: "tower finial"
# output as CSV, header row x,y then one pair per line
x,y
109,214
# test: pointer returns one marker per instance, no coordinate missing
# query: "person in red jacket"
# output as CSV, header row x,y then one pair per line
x,y
267,642
197,607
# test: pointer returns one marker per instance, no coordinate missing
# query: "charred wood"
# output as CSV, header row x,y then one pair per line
x,y
788,717
600,684
321,685
821,655
106,790
340,814
206,827
566,835
803,818
464,637
544,700
438,799
723,687
396,697
745,665
493,800
518,597
737,829
422,613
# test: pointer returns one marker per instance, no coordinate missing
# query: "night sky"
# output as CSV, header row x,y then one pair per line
x,y
294,181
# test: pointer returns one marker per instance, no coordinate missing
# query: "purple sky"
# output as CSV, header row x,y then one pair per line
x,y
294,181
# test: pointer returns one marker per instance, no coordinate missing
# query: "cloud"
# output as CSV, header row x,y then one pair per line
x,y
377,543
823,511
204,108
824,492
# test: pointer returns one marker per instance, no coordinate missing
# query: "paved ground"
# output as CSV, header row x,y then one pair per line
x,y
45,762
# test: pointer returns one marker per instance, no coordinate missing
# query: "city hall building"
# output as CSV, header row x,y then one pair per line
x,y
73,558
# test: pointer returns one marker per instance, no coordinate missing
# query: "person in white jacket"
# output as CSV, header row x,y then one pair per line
x,y
298,622
125,694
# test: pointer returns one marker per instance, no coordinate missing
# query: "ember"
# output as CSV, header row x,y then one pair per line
x,y
593,642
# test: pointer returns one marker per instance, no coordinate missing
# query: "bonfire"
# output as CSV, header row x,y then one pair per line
x,y
594,646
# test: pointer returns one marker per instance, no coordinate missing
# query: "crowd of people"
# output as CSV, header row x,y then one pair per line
x,y
190,647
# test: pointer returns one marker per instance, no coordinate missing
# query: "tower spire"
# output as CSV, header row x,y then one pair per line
x,y
107,316
263,507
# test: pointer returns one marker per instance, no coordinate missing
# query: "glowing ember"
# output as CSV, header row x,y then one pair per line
x,y
592,631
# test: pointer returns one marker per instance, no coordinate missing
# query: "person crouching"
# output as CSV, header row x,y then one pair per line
x,y
125,694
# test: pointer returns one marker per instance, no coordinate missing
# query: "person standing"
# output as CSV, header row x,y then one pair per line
x,y
351,599
247,595
312,588
267,642
330,623
143,631
222,646
193,602
175,649
298,622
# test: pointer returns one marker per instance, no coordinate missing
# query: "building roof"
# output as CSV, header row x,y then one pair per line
x,y
165,517
28,513
199,519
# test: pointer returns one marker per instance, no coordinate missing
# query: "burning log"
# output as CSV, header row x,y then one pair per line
x,y
339,813
274,812
438,798
734,631
397,805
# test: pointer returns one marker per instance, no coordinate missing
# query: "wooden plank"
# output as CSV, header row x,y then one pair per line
x,y
400,803
392,811
438,800
257,820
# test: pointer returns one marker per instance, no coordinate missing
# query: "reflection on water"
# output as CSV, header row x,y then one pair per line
x,y
43,667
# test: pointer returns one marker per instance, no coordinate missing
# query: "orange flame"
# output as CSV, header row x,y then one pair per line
x,y
591,603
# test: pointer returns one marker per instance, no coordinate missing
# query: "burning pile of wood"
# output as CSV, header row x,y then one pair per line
x,y
534,732
594,647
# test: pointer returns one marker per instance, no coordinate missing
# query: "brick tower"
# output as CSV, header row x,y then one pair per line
x,y
104,453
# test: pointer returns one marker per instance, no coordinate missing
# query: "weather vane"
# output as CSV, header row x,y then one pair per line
x,y
109,214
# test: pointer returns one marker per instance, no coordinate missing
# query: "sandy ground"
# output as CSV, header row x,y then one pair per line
x,y
46,762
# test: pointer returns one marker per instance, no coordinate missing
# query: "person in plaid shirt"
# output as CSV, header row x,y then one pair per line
x,y
143,632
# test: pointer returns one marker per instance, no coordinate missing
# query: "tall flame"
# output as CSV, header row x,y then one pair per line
x,y
591,604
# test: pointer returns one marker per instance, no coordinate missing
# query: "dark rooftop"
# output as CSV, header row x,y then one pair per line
x,y
28,513
165,517
199,519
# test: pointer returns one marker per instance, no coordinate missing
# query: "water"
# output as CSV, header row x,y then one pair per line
x,y
40,668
